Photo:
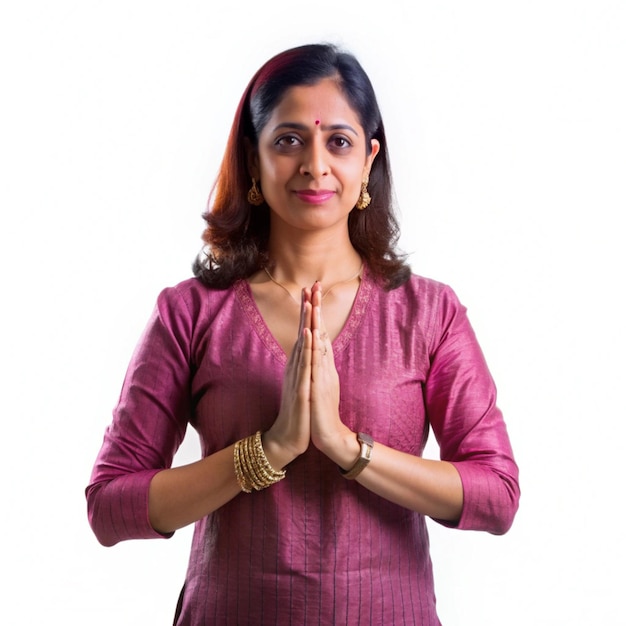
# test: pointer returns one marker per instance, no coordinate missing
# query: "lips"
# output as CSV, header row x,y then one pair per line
x,y
313,196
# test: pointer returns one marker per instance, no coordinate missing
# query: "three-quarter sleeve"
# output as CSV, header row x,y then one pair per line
x,y
460,397
148,425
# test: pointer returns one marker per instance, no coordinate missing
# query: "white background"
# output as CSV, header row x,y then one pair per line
x,y
507,133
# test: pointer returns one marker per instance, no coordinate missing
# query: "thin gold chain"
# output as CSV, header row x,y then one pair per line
x,y
341,282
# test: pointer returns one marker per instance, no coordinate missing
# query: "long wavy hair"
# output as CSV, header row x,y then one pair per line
x,y
237,234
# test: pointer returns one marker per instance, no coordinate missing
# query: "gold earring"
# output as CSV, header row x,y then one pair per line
x,y
364,198
255,197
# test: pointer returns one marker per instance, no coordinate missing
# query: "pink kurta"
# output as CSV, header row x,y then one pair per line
x,y
314,548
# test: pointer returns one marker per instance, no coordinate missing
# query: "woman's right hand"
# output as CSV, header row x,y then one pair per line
x,y
290,434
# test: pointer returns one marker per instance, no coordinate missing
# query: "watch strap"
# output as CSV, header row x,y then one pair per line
x,y
365,456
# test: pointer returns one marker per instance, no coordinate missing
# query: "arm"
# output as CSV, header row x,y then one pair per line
x,y
432,488
148,425
184,495
134,492
475,483
460,397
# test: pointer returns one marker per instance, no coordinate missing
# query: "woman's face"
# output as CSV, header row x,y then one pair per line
x,y
312,158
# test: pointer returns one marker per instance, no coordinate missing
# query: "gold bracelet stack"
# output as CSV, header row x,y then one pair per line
x,y
252,469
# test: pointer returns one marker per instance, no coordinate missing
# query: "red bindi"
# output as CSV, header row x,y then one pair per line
x,y
317,122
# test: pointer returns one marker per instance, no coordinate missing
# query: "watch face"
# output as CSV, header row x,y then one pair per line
x,y
365,457
365,438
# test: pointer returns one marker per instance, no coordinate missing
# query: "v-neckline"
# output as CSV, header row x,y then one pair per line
x,y
359,306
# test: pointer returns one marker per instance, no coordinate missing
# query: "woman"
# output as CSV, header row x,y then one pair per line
x,y
312,363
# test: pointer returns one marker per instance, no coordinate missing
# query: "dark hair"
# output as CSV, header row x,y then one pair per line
x,y
237,233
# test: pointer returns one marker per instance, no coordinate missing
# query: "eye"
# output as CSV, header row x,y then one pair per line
x,y
288,142
340,143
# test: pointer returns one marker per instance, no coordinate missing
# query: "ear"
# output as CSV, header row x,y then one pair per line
x,y
371,156
252,159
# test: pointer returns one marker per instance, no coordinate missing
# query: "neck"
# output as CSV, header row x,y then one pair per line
x,y
303,265
301,257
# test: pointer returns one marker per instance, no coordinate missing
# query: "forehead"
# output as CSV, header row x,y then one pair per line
x,y
324,101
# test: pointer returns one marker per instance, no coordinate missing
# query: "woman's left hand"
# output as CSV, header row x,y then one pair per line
x,y
433,488
328,432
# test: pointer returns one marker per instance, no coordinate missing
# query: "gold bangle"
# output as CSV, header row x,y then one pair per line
x,y
239,473
265,465
252,467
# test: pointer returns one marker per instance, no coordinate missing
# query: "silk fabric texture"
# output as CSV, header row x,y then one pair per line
x,y
314,548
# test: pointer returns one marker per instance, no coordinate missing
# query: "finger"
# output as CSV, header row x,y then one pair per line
x,y
307,310
318,324
321,350
303,377
316,351
305,313
319,354
316,301
293,363
305,298
318,321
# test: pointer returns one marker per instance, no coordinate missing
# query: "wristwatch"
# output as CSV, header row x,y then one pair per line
x,y
367,445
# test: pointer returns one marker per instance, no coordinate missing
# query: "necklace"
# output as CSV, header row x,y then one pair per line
x,y
341,282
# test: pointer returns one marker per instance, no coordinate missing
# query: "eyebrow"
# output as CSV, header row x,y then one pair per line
x,y
324,127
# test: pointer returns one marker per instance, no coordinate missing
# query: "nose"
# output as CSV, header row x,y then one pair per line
x,y
314,160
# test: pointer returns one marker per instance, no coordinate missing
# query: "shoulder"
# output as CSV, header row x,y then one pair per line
x,y
190,303
191,294
424,293
185,312
426,287
424,303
